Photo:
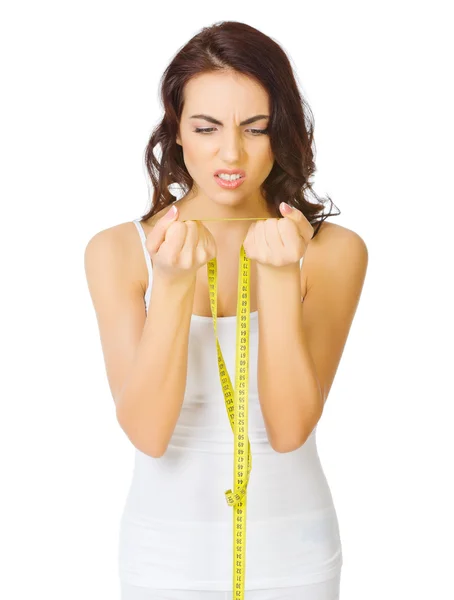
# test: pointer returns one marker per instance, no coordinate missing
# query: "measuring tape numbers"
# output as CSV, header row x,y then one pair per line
x,y
236,404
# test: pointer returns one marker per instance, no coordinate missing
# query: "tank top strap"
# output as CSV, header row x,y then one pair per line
x,y
143,238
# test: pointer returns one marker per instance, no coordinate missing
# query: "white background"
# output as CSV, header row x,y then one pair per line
x,y
79,101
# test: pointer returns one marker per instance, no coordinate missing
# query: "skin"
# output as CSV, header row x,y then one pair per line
x,y
229,98
335,261
334,265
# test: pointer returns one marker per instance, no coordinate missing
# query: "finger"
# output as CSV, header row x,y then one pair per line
x,y
210,247
273,238
201,242
294,242
190,244
174,241
295,215
158,233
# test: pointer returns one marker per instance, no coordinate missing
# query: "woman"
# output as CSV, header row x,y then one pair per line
x,y
231,106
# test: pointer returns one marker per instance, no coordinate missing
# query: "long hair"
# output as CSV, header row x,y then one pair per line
x,y
238,47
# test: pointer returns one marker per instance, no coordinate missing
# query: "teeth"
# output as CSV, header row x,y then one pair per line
x,y
229,177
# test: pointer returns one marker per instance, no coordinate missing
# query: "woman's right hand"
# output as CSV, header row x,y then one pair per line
x,y
178,249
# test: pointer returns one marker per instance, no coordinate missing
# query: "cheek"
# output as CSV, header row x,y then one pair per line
x,y
195,152
196,158
266,162
268,152
261,155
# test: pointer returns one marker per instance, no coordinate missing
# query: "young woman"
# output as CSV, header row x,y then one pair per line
x,y
231,105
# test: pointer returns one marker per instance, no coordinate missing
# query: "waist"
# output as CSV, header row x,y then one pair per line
x,y
191,483
286,549
177,528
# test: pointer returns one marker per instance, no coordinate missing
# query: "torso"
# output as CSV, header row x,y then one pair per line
x,y
227,259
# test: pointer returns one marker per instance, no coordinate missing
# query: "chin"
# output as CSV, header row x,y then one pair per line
x,y
227,198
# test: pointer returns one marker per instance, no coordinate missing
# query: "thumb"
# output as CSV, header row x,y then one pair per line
x,y
158,233
304,227
286,209
170,213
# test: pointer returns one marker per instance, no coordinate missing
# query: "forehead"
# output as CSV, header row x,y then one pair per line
x,y
222,94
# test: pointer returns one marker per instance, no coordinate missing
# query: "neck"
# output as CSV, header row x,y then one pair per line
x,y
198,207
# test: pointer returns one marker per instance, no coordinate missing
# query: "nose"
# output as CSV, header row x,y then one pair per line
x,y
231,146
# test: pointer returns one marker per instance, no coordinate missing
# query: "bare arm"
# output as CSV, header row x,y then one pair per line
x,y
150,401
145,356
302,348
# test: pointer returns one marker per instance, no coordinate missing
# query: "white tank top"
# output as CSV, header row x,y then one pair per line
x,y
176,530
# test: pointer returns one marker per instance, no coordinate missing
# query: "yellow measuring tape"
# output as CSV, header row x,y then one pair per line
x,y
236,403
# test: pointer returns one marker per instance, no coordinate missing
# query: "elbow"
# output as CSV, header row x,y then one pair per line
x,y
293,441
287,446
142,440
154,453
150,453
145,446
286,442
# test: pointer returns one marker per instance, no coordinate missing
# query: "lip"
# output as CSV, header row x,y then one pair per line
x,y
230,185
231,172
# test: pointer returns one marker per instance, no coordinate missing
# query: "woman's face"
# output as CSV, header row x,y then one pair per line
x,y
229,98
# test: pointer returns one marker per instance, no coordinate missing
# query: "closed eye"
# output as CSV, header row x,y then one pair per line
x,y
210,129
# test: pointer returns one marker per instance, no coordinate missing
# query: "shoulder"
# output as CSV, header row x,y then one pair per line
x,y
334,248
119,245
332,235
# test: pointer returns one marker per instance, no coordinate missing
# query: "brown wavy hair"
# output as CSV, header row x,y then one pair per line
x,y
232,45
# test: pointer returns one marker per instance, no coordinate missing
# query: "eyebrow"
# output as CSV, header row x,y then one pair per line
x,y
216,122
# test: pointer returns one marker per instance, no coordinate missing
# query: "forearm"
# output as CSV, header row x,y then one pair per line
x,y
288,387
151,400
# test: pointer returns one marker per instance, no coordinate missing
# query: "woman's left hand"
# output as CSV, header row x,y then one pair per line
x,y
279,242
